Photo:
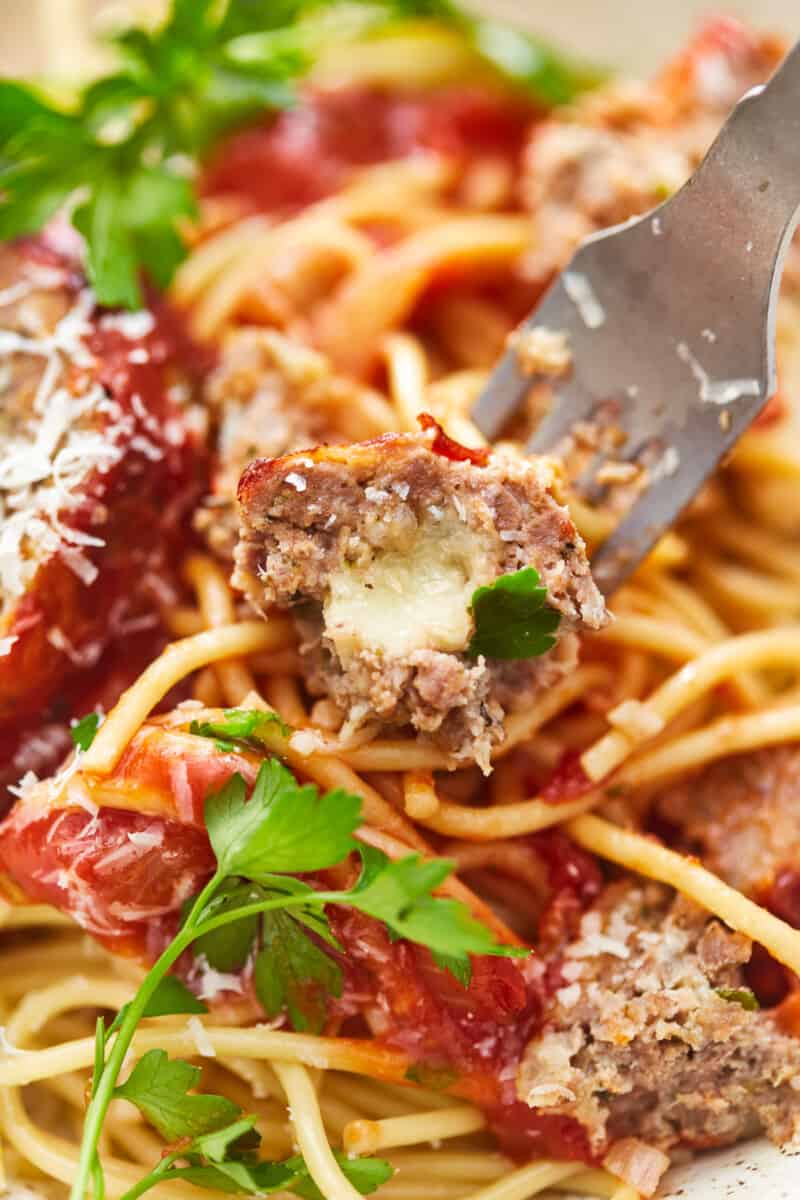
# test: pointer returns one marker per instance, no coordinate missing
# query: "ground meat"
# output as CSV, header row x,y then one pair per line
x,y
741,816
268,396
641,1040
623,150
378,548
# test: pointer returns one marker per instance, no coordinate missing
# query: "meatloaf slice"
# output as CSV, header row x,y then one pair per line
x,y
378,548
651,1035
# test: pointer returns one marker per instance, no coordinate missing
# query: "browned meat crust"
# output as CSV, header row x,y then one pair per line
x,y
267,396
741,816
370,507
640,1041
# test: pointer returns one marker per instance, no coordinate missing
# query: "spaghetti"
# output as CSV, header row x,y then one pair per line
x,y
405,278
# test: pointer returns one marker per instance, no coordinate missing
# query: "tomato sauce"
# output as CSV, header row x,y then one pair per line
x,y
123,874
308,152
140,507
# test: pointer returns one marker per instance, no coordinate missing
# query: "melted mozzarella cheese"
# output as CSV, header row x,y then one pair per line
x,y
417,599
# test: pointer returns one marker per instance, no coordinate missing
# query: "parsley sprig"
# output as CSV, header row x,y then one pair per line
x,y
215,1142
238,729
123,153
512,618
261,843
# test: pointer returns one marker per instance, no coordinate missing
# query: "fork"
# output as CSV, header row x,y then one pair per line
x,y
670,320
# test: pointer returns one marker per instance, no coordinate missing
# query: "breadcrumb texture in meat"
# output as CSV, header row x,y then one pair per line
x,y
378,547
639,1042
267,396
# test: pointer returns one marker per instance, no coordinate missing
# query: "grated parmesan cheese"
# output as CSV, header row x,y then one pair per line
x,y
213,982
45,459
132,325
26,784
146,839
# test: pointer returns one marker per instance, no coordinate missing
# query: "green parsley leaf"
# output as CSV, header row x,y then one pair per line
x,y
170,998
282,827
235,1138
110,258
511,618
438,1079
365,1174
552,77
160,1089
122,146
399,894
522,59
228,948
459,968
83,732
743,996
293,973
237,1178
240,726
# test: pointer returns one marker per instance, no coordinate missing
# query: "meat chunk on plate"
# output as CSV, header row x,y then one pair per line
x,y
627,147
741,816
269,395
378,548
100,461
653,1036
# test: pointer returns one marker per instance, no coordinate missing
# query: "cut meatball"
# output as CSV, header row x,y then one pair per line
x,y
100,461
378,548
741,816
648,1036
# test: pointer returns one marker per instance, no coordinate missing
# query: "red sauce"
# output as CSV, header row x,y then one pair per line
x,y
568,781
126,892
88,866
468,1041
575,882
140,508
768,978
447,447
310,151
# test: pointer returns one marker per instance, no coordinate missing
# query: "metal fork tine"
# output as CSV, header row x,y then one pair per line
x,y
671,318
572,404
501,397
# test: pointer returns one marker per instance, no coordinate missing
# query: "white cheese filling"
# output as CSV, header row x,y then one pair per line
x,y
414,599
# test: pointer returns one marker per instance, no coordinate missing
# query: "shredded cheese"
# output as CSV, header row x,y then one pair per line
x,y
73,430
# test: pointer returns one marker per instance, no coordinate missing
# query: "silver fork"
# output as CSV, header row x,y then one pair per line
x,y
670,320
